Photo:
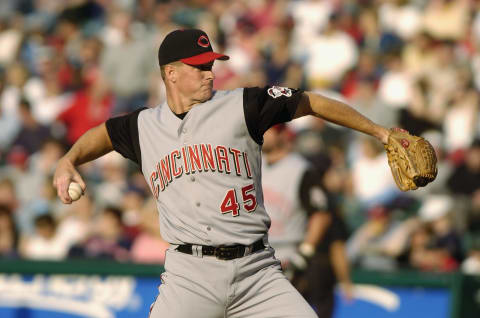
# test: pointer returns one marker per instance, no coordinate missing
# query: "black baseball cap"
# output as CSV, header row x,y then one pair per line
x,y
190,46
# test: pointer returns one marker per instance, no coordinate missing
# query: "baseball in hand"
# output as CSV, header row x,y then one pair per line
x,y
75,191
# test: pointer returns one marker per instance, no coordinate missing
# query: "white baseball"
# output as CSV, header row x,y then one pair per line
x,y
75,191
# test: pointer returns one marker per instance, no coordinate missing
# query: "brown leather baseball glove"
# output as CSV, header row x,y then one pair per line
x,y
411,158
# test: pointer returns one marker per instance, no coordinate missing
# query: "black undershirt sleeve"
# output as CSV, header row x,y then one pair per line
x,y
311,194
265,107
123,132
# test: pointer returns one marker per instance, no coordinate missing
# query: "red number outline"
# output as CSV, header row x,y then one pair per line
x,y
230,203
249,197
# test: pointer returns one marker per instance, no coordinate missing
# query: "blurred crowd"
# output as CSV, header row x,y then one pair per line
x,y
67,66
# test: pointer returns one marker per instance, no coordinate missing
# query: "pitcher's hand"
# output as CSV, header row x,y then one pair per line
x,y
64,174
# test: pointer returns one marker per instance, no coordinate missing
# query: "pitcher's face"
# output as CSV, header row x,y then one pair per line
x,y
196,81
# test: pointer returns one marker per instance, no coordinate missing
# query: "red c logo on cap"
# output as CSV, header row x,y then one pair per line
x,y
203,41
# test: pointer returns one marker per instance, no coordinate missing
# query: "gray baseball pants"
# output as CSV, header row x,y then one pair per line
x,y
252,286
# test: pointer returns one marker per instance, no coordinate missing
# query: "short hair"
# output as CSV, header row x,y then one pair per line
x,y
162,68
162,71
45,220
115,212
25,104
5,210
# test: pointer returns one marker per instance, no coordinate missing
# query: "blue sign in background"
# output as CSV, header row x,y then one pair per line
x,y
413,303
65,296
73,296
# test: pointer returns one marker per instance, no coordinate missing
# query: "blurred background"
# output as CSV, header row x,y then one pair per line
x,y
67,66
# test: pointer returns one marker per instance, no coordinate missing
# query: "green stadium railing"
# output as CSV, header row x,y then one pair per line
x,y
85,267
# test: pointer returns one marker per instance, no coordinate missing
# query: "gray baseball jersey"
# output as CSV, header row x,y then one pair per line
x,y
291,193
206,185
204,169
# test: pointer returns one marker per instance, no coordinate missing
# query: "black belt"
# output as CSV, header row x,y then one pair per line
x,y
221,252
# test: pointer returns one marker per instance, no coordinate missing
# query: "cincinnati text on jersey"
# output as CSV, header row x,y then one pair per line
x,y
198,158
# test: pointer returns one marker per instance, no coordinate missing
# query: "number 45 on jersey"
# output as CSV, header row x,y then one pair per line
x,y
230,203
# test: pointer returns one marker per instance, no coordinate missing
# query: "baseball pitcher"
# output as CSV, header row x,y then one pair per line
x,y
200,153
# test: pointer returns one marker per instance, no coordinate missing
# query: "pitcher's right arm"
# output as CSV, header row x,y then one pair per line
x,y
90,146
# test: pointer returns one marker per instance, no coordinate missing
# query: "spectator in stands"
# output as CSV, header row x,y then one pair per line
x,y
471,265
42,162
435,245
32,134
465,178
395,85
129,81
132,205
45,201
108,240
363,96
443,80
403,18
471,235
372,180
53,104
423,112
461,118
69,35
88,107
45,244
278,61
330,55
19,83
8,121
11,35
366,69
113,184
8,195
76,220
8,234
418,55
309,17
380,241
148,246
473,217
447,20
